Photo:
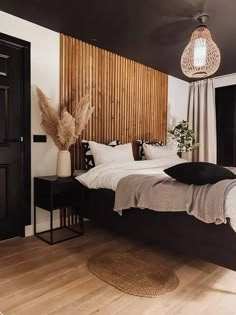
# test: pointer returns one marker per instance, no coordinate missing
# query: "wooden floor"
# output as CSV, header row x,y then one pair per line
x,y
36,278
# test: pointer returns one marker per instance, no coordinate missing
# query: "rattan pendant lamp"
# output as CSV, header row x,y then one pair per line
x,y
201,57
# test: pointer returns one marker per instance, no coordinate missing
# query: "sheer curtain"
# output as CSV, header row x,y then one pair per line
x,y
202,119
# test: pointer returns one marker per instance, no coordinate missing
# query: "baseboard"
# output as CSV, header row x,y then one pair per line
x,y
29,229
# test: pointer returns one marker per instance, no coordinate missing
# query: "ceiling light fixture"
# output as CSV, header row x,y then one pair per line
x,y
201,57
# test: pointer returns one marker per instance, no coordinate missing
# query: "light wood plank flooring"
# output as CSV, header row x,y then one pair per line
x,y
36,278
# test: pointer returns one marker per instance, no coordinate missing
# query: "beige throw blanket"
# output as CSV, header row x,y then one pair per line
x,y
162,193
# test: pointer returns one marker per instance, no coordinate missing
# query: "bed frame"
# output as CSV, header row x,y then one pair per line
x,y
177,231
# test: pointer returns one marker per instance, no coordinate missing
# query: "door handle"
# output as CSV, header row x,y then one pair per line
x,y
16,140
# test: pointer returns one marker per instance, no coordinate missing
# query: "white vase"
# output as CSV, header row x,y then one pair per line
x,y
63,163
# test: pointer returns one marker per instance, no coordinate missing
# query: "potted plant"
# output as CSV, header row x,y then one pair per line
x,y
184,137
64,128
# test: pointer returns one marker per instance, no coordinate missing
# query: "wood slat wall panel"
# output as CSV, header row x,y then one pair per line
x,y
130,99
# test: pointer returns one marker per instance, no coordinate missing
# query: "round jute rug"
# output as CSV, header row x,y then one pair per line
x,y
133,275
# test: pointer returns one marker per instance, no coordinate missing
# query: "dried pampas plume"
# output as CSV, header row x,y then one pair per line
x,y
64,128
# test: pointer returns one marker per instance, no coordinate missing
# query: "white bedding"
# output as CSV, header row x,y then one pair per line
x,y
108,175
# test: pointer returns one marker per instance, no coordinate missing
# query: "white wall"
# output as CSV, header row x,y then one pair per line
x,y
225,80
177,100
45,74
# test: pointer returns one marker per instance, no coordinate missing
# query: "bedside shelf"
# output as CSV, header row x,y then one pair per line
x,y
52,193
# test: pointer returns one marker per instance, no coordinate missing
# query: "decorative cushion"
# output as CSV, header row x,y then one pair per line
x,y
141,149
87,154
103,154
136,149
155,152
199,173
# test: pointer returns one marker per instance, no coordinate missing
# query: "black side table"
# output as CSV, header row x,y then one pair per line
x,y
66,194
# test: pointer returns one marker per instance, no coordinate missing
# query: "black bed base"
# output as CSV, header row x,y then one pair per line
x,y
177,231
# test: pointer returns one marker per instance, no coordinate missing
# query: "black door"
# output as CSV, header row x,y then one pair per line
x,y
226,125
14,132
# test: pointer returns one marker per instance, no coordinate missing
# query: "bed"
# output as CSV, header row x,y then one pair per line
x,y
174,230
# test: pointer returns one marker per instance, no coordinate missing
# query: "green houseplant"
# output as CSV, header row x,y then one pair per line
x,y
184,137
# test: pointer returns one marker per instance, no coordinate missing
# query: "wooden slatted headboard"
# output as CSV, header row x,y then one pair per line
x,y
130,99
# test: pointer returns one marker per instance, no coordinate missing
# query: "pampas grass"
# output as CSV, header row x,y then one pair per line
x,y
64,128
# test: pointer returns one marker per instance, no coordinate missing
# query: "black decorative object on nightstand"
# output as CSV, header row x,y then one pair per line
x,y
66,194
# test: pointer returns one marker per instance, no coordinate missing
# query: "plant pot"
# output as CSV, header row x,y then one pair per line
x,y
63,163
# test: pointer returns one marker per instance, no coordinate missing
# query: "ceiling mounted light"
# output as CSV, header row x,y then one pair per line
x,y
201,57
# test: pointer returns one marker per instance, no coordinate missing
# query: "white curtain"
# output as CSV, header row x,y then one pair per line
x,y
202,119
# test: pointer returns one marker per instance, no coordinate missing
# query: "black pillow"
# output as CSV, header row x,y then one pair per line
x,y
199,173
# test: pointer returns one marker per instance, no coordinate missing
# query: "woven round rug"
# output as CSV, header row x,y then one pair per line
x,y
133,275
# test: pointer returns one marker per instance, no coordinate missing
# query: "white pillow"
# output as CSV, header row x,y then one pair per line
x,y
88,156
105,154
154,152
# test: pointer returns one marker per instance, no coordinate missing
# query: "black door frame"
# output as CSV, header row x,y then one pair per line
x,y
25,128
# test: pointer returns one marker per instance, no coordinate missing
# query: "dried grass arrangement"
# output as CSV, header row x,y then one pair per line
x,y
63,127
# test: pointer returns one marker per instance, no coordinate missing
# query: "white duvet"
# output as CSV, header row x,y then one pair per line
x,y
108,175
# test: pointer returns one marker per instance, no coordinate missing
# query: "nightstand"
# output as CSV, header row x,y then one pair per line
x,y
52,193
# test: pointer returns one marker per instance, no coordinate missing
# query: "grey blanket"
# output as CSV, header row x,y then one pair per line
x,y
162,193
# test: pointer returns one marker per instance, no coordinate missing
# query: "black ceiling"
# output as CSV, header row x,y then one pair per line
x,y
152,32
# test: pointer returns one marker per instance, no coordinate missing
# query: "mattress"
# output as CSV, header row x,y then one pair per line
x,y
107,177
